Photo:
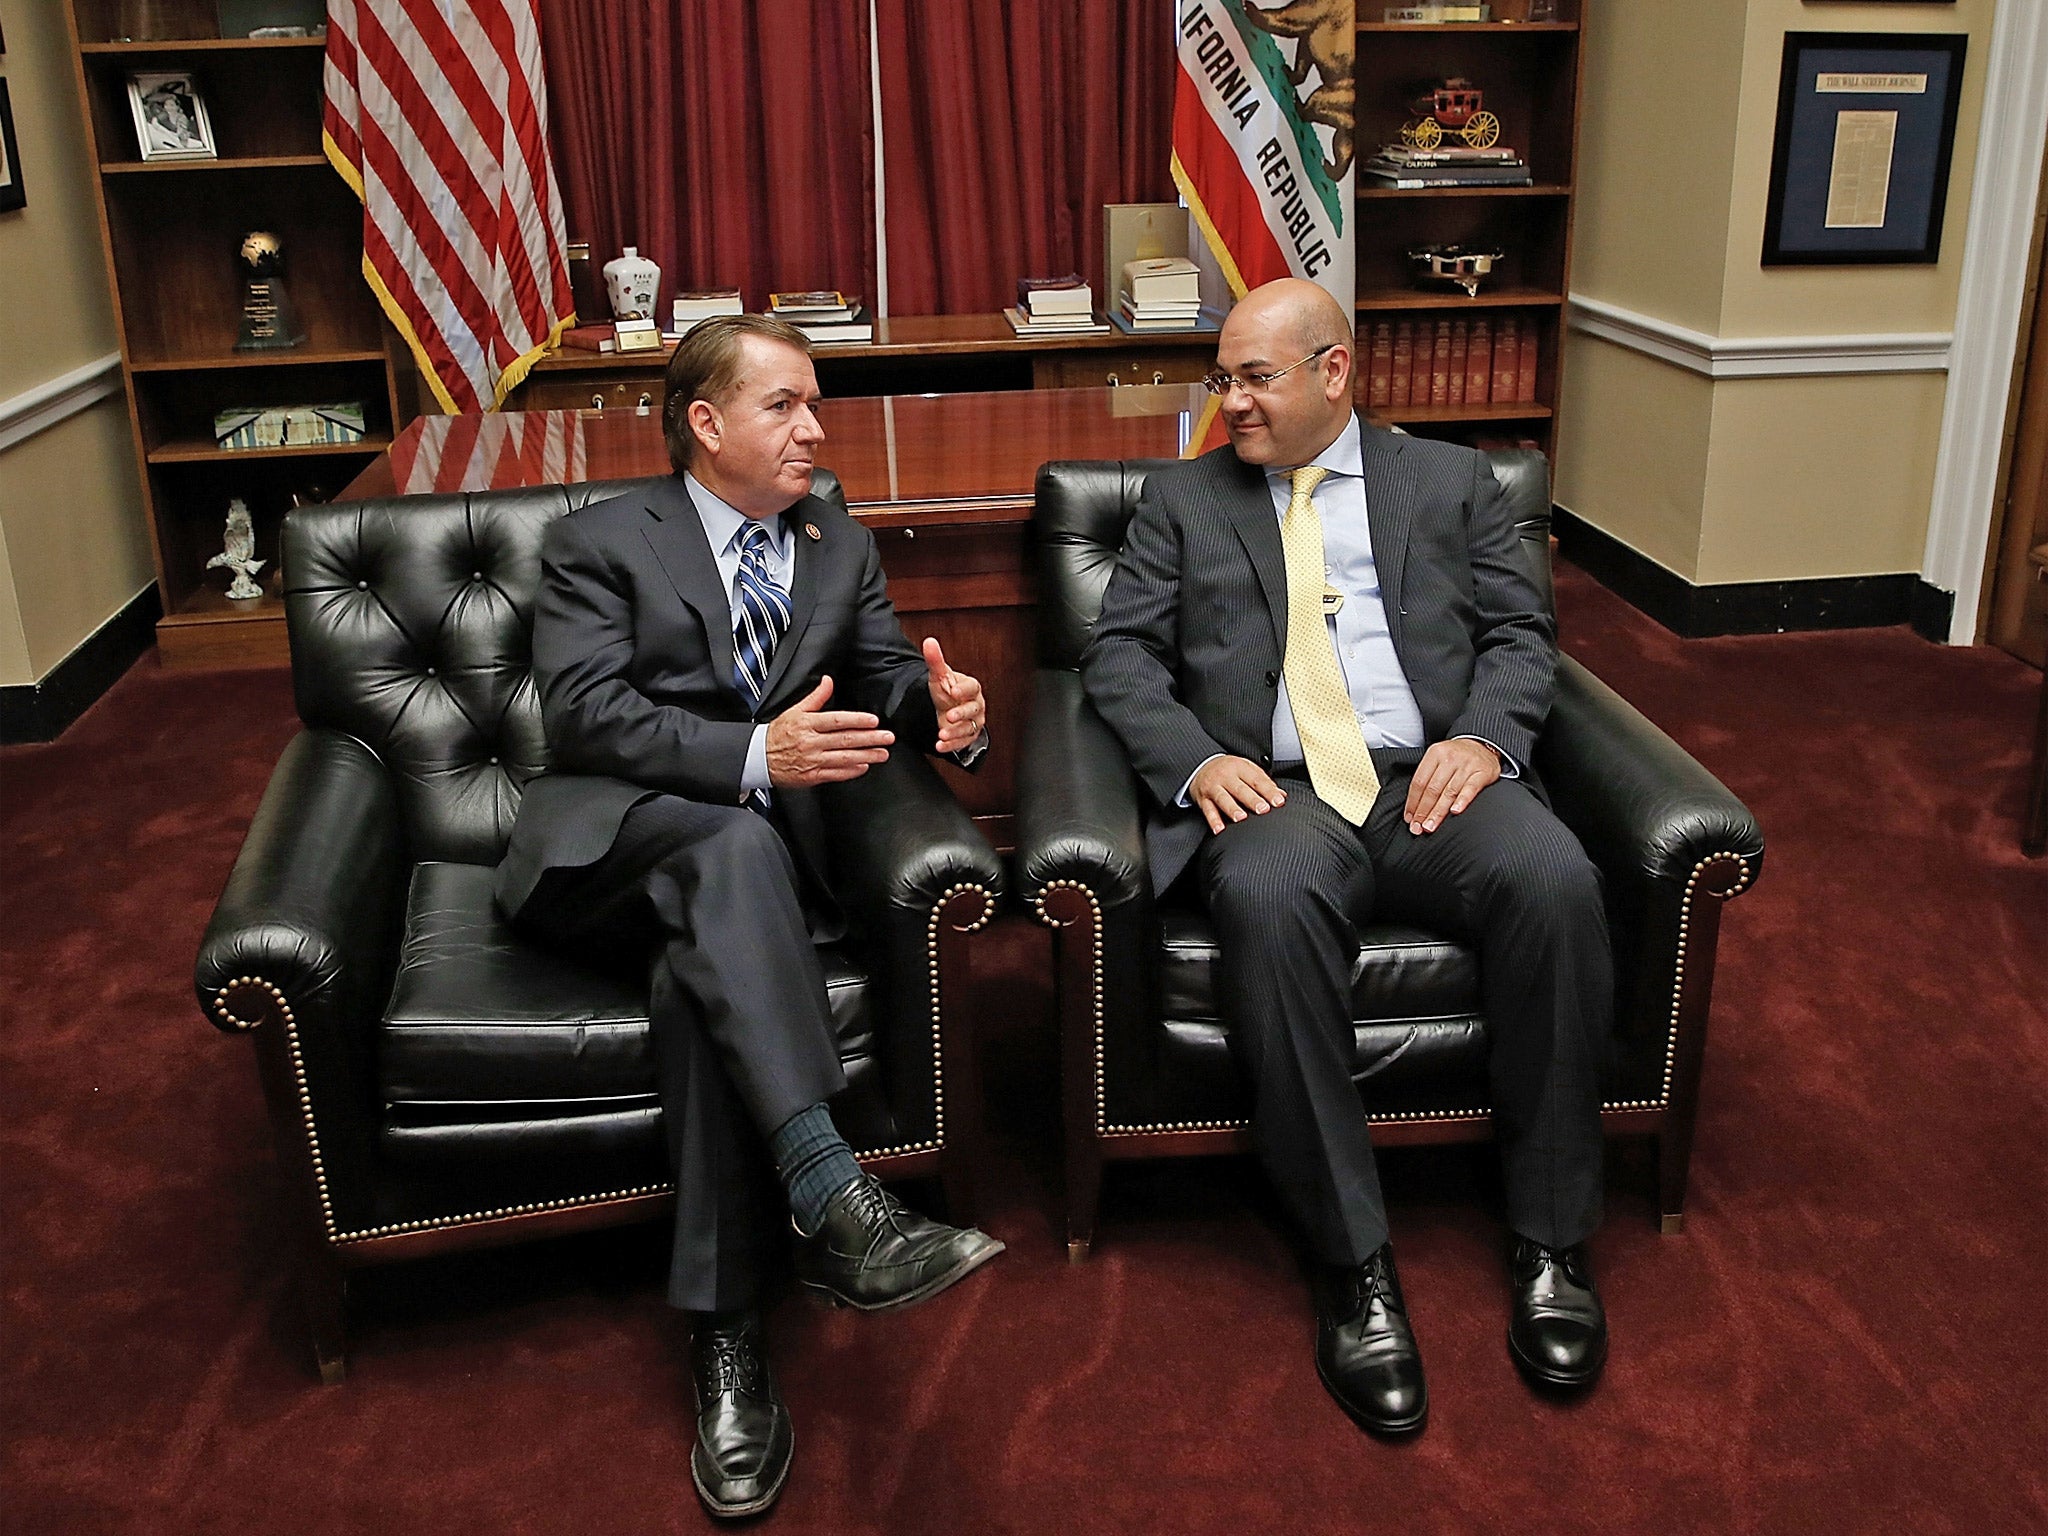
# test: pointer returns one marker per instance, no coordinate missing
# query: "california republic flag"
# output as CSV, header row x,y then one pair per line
x,y
1262,137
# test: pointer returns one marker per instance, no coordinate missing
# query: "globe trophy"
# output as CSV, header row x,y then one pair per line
x,y
269,320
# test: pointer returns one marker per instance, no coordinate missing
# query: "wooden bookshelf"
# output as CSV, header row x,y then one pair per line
x,y
1530,74
171,230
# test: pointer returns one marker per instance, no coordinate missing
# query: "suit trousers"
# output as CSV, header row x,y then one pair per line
x,y
1287,890
742,1031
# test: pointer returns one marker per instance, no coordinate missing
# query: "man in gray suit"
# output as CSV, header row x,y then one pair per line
x,y
708,654
1330,674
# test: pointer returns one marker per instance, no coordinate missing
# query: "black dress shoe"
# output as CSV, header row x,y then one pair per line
x,y
743,1433
1558,1329
873,1253
1365,1350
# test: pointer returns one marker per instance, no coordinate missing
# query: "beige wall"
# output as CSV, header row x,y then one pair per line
x,y
1799,477
76,547
1657,156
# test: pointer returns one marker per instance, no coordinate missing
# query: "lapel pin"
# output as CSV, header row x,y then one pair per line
x,y
812,530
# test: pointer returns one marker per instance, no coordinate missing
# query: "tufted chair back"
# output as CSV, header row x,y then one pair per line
x,y
1084,505
411,623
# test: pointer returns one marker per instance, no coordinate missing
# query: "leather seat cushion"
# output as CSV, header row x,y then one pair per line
x,y
481,1019
1419,1037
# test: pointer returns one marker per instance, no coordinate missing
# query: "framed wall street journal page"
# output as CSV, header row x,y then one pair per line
x,y
1859,166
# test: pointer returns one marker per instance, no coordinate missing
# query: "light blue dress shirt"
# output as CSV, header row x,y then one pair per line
x,y
723,526
1366,659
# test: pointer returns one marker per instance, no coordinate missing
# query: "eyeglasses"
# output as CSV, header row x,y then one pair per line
x,y
1220,383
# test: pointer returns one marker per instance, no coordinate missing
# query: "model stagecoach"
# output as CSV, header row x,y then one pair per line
x,y
1456,106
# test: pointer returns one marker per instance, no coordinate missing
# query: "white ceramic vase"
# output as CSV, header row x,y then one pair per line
x,y
631,281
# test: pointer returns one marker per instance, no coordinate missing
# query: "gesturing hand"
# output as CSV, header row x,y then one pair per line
x,y
1233,788
810,744
957,698
1448,779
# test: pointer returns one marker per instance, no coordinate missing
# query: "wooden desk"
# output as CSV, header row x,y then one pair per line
x,y
911,353
944,481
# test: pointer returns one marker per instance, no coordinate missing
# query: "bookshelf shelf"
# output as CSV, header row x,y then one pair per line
x,y
128,48
242,163
1413,29
1374,300
202,451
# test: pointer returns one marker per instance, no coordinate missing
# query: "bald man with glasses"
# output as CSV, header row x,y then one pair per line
x,y
1330,672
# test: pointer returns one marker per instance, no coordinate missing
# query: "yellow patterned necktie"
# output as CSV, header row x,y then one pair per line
x,y
1333,746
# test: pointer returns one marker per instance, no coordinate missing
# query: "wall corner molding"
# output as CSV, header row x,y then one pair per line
x,y
1759,357
2003,188
37,409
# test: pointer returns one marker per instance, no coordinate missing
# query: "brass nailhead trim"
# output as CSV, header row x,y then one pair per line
x,y
338,1237
931,953
1189,1127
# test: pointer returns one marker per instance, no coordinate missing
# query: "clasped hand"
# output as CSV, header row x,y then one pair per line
x,y
809,744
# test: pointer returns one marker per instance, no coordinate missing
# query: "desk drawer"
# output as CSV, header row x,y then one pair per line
x,y
557,392
1084,370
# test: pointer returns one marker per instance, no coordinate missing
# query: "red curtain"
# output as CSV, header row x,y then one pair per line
x,y
730,141
1005,129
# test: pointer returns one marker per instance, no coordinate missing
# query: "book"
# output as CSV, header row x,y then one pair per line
x,y
1422,363
1402,154
1038,296
288,426
1380,370
1206,320
1419,178
1056,325
1479,364
1505,346
1145,314
1461,343
1440,365
858,326
703,303
1404,363
1163,279
590,338
813,303
1525,367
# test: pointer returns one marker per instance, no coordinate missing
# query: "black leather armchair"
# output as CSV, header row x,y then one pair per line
x,y
1146,1065
433,1082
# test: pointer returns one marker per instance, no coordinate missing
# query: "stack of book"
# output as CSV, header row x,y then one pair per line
x,y
1446,166
1055,306
699,304
824,314
1162,293
1443,363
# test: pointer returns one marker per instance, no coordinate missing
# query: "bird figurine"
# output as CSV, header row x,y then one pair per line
x,y
240,554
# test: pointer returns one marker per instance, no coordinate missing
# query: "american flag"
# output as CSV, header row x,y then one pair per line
x,y
436,114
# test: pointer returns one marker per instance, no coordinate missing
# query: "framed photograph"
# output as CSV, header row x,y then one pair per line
x,y
170,118
12,194
1859,167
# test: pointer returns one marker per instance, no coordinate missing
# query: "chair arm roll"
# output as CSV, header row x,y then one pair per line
x,y
1078,817
901,842
312,904
1639,802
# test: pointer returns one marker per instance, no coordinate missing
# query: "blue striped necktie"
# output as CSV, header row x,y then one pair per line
x,y
763,617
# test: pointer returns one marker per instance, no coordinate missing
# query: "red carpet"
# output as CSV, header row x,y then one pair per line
x,y
1849,1336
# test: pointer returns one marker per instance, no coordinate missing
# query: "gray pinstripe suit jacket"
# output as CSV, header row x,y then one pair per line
x,y
1185,660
